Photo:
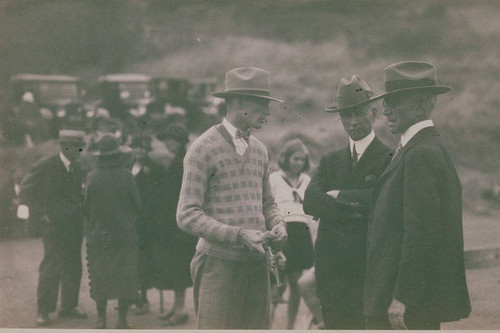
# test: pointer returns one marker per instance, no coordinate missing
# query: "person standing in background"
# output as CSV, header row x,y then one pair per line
x,y
175,248
51,193
288,186
339,195
111,207
149,177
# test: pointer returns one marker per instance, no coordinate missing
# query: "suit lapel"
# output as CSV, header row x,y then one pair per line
x,y
58,174
371,153
342,167
421,135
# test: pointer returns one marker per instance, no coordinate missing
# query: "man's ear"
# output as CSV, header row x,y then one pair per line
x,y
374,114
426,105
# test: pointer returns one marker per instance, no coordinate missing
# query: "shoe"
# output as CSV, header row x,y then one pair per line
x,y
167,316
176,320
73,313
123,325
43,319
101,324
141,309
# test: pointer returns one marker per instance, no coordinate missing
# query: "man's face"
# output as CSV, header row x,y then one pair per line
x,y
400,111
254,111
358,121
71,150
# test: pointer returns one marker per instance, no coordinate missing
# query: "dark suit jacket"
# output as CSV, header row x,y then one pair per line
x,y
342,230
415,236
41,190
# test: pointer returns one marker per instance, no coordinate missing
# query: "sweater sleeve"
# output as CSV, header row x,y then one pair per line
x,y
191,217
316,202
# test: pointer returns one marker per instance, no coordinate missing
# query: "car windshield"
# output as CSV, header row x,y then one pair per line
x,y
134,91
50,91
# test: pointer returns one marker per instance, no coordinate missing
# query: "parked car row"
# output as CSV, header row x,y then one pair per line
x,y
135,99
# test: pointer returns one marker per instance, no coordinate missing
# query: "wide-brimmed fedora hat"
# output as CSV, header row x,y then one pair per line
x,y
72,136
107,145
351,94
247,81
412,76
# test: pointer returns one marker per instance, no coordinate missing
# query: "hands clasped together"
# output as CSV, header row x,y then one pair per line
x,y
255,239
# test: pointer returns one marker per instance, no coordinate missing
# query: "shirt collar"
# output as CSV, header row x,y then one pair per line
x,y
362,144
230,128
65,161
414,129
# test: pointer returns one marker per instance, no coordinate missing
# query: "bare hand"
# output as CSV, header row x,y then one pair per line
x,y
396,313
333,193
252,240
277,237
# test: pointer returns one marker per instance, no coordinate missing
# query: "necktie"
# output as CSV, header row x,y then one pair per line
x,y
398,148
354,156
245,135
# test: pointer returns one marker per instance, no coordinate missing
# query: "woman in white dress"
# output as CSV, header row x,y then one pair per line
x,y
288,186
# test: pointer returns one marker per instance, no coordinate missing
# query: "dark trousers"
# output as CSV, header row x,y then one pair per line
x,y
411,322
342,304
340,288
61,266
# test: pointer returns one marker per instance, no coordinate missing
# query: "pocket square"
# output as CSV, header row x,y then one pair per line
x,y
370,178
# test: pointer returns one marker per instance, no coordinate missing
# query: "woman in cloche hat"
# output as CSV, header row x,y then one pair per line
x,y
111,206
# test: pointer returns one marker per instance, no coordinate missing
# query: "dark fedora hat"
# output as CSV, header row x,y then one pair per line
x,y
352,93
412,76
247,81
107,145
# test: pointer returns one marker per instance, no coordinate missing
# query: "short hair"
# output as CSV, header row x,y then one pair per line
x,y
289,148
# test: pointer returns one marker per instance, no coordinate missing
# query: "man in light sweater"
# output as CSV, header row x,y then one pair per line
x,y
226,201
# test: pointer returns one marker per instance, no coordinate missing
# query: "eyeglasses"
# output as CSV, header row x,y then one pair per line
x,y
391,102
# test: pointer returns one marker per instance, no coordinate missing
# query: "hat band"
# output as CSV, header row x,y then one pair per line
x,y
403,84
344,101
249,91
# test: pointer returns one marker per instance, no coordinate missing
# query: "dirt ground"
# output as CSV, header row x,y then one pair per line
x,y
19,260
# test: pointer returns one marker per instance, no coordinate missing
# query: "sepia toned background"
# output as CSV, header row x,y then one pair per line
x,y
307,46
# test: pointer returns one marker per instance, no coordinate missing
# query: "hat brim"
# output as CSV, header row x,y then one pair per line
x,y
118,151
224,94
437,90
335,108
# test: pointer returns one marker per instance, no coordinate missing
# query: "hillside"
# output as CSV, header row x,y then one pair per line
x,y
306,45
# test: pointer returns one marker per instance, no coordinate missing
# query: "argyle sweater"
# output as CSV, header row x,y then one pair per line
x,y
223,192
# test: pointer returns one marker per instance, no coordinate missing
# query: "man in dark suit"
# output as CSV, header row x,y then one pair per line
x,y
52,190
339,194
415,274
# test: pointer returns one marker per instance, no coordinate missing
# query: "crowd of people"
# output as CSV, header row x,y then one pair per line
x,y
373,240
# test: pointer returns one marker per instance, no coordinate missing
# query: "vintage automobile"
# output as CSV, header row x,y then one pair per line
x,y
203,109
170,100
58,100
125,95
